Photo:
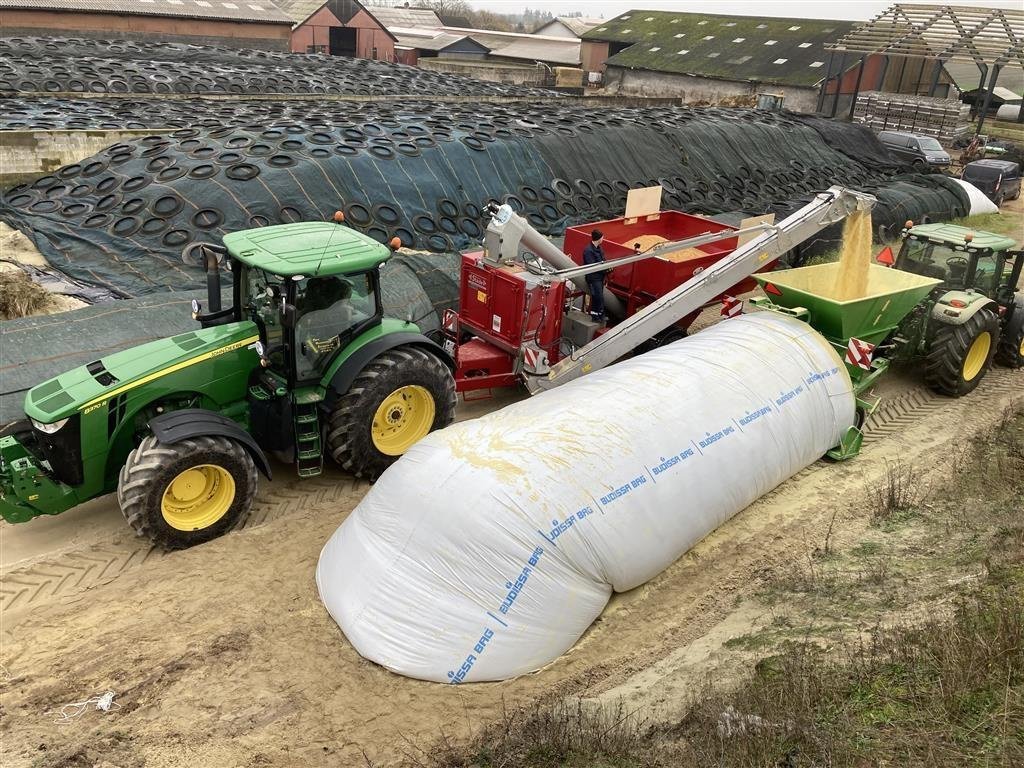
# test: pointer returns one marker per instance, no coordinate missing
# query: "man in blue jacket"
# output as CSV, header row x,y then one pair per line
x,y
593,254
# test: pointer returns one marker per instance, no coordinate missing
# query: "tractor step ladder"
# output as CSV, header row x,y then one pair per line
x,y
309,456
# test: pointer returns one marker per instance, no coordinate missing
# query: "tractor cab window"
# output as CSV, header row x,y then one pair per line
x,y
263,299
935,260
986,273
328,310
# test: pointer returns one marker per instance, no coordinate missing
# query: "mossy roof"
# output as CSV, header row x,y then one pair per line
x,y
743,48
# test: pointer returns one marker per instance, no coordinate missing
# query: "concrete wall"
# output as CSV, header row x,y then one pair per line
x,y
690,89
515,74
26,155
232,34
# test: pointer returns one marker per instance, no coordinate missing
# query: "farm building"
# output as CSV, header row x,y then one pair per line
x,y
505,57
407,18
338,28
240,24
567,26
705,58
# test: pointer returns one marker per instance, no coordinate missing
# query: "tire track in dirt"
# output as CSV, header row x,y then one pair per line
x,y
70,573
67,574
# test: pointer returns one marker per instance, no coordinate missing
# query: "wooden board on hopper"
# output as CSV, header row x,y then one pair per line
x,y
645,201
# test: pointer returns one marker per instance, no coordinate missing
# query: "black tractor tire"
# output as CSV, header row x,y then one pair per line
x,y
350,427
945,367
1010,352
151,469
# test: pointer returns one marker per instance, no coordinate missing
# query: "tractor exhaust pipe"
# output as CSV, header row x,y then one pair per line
x,y
212,265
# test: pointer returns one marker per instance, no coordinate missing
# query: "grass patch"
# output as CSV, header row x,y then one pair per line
x,y
895,497
944,693
866,549
553,734
1006,223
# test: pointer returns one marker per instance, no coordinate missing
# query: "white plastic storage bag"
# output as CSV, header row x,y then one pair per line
x,y
489,548
979,201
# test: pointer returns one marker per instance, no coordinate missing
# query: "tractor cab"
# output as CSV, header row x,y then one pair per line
x,y
964,259
310,288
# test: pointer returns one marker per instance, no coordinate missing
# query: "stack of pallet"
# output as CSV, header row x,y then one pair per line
x,y
944,119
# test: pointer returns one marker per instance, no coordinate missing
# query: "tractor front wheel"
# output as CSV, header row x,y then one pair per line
x,y
186,493
961,354
395,401
1010,351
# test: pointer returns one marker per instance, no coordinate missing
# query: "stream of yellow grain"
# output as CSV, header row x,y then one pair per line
x,y
855,258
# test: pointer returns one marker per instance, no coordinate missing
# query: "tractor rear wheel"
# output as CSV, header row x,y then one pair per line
x,y
961,354
186,493
1010,351
397,399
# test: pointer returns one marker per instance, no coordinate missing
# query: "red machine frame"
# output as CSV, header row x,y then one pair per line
x,y
510,316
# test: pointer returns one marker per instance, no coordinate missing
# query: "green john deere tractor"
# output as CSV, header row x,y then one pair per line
x,y
975,315
179,427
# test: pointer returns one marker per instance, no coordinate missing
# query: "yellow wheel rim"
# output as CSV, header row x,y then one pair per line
x,y
404,416
1021,348
977,355
198,497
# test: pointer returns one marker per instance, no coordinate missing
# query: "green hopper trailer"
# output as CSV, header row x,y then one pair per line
x,y
949,300
807,293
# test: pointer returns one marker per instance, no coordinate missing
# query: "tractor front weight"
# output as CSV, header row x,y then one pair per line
x,y
26,490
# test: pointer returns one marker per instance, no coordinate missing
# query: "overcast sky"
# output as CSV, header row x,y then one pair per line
x,y
807,9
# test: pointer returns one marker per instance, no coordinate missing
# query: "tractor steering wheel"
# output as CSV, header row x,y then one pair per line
x,y
956,263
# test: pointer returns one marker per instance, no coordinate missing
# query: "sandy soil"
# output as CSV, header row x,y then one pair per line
x,y
223,655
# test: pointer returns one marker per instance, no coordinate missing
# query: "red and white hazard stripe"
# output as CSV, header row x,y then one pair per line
x,y
450,321
860,353
531,356
731,307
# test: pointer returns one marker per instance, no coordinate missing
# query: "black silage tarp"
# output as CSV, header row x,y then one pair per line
x,y
130,218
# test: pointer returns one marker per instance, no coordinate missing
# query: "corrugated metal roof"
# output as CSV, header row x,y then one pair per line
x,y
967,77
743,48
263,11
429,40
539,50
517,45
577,25
406,18
300,10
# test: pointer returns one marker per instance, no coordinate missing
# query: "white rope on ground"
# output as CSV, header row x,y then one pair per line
x,y
69,712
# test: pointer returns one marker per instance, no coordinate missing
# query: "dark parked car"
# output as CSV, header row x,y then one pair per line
x,y
923,152
998,179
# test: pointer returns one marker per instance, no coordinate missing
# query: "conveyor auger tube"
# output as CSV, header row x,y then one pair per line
x,y
827,208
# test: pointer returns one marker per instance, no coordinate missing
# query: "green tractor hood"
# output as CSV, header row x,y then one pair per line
x,y
90,386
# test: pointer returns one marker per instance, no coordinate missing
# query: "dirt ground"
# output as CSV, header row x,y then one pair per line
x,y
223,655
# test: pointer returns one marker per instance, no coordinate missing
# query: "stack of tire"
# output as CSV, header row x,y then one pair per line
x,y
61,65
131,217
